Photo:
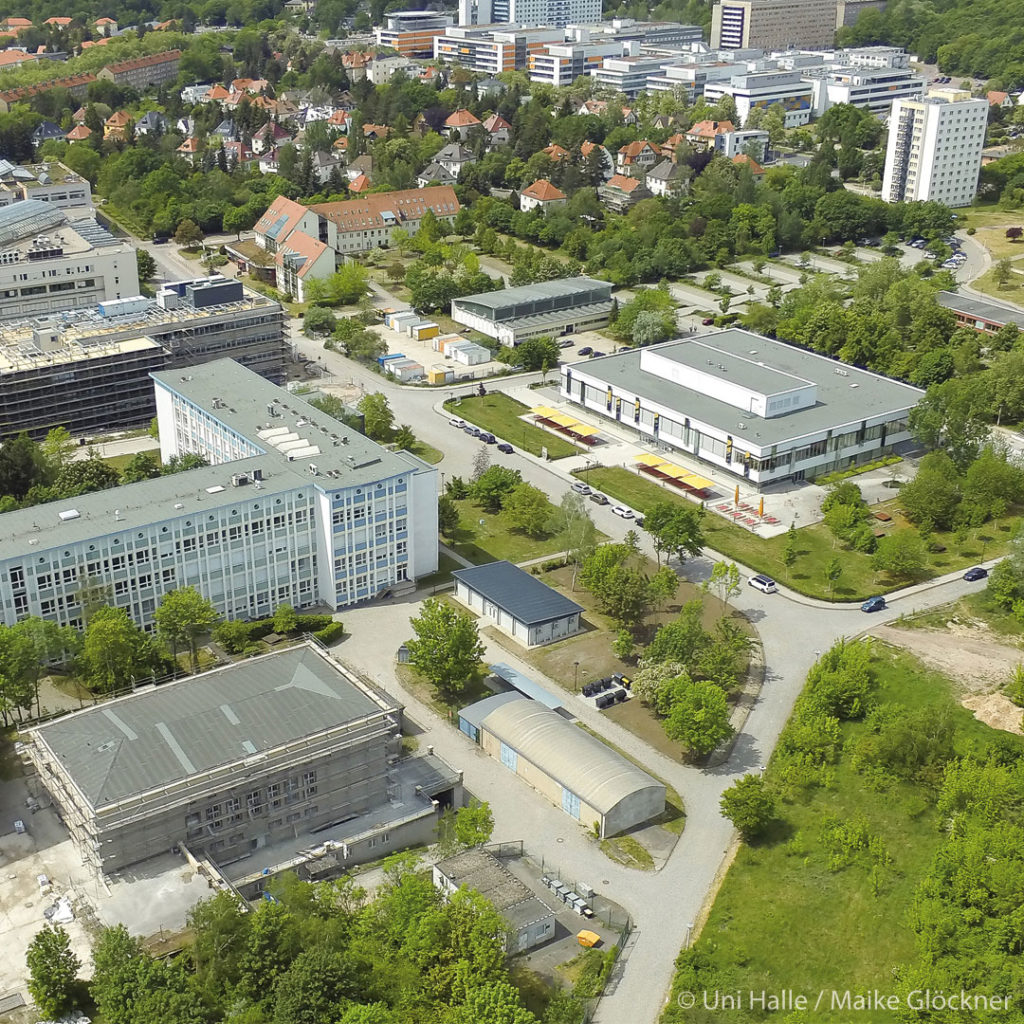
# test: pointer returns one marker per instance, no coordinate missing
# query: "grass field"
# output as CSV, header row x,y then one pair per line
x,y
783,921
816,546
428,453
995,240
500,415
1013,291
120,462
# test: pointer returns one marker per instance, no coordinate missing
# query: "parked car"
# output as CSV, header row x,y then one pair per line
x,y
873,604
596,355
975,573
471,430
639,520
486,437
585,351
456,422
622,512
506,448
565,343
581,488
708,321
598,499
763,583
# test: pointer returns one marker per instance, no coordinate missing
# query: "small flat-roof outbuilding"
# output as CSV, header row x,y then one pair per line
x,y
574,770
556,307
981,314
518,603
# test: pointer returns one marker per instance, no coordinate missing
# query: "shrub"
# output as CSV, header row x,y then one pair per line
x,y
311,623
327,635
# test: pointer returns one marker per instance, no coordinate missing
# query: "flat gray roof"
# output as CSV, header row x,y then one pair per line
x,y
839,402
982,309
517,592
135,744
245,396
530,299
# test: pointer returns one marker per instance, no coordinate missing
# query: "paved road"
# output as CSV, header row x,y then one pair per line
x,y
793,630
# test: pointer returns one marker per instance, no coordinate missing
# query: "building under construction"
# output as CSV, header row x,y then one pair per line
x,y
240,763
88,369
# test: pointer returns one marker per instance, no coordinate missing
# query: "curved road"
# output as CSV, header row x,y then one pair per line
x,y
663,905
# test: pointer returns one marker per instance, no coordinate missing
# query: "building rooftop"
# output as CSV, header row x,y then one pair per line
x,y
581,763
163,735
481,871
510,303
515,591
845,393
982,309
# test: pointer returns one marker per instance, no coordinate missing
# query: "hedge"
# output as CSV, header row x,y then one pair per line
x,y
327,635
237,635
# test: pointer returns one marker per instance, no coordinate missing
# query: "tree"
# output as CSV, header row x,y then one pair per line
x,y
58,448
184,462
789,552
315,987
535,353
142,466
615,576
1014,233
481,462
183,616
675,528
526,507
725,580
571,521
623,646
318,321
84,476
22,466
474,824
833,570
116,652
447,516
146,264
188,235
53,971
901,554
494,486
749,805
447,648
119,963
285,619
699,718
377,415
404,439
932,498
1003,272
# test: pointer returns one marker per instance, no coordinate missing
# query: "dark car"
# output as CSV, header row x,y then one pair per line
x,y
873,604
585,351
506,448
596,355
975,573
486,437
708,321
598,499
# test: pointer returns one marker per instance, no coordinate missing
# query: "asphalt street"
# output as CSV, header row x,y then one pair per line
x,y
794,630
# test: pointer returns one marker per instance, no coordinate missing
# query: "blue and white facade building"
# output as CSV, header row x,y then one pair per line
x,y
294,507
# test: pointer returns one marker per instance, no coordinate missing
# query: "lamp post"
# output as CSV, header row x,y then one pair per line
x,y
576,677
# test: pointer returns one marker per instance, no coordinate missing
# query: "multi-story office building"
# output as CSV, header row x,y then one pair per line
x,y
630,75
528,13
871,88
294,507
562,63
51,183
412,33
934,149
239,759
772,24
764,89
691,77
491,50
49,263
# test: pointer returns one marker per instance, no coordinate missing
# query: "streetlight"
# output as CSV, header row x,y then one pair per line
x,y
576,677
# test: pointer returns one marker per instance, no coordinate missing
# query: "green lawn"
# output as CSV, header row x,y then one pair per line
x,y
783,921
120,462
445,565
482,537
1013,290
816,545
428,453
500,415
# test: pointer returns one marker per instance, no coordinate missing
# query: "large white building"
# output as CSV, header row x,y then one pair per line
x,y
750,405
49,263
558,13
294,507
934,150
871,88
765,89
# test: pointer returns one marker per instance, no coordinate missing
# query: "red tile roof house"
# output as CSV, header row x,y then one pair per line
x,y
541,194
462,121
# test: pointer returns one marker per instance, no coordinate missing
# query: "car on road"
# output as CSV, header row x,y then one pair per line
x,y
598,498
486,437
471,430
581,488
622,512
585,351
506,448
456,422
975,573
873,604
763,583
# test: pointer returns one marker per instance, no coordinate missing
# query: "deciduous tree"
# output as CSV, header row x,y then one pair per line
x,y
699,718
53,970
377,415
183,616
527,508
447,648
749,804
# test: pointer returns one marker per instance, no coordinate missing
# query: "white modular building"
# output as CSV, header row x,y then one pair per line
x,y
294,507
752,406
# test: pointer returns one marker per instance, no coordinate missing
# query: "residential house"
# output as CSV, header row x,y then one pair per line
x,y
324,164
151,123
373,132
226,130
78,117
555,153
46,131
116,126
300,260
462,121
490,88
636,158
382,69
621,192
339,120
356,64
106,26
541,195
434,174
238,154
14,58
58,22
360,183
189,150
270,136
499,131
78,134
588,150
454,157
745,160
666,178
185,126
703,133
361,166
595,107
252,86
16,24
217,94
269,161
999,99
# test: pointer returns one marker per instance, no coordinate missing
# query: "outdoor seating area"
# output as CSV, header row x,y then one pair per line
x,y
573,428
668,472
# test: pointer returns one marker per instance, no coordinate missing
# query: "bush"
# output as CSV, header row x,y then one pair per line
x,y
327,635
311,623
971,231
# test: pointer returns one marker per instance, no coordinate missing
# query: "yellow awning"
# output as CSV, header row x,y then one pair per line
x,y
584,431
650,460
545,411
676,472
699,483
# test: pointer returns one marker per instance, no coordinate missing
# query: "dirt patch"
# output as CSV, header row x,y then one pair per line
x,y
972,656
997,711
